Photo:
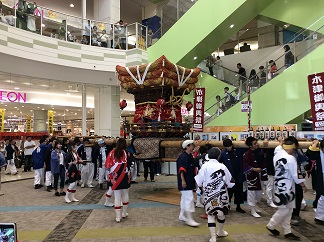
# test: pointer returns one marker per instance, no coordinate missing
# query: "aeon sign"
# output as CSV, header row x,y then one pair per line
x,y
9,96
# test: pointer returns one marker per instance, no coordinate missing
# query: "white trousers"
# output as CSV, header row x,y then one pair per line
x,y
48,178
11,167
87,172
253,197
71,187
282,216
269,189
187,201
103,173
133,171
39,176
121,196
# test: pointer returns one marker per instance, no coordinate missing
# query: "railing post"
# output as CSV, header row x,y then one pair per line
x,y
15,7
113,40
136,33
126,36
66,28
146,36
90,40
41,29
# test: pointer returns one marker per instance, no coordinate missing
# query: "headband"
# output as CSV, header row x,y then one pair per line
x,y
287,147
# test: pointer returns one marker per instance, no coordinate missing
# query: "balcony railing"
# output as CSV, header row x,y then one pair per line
x,y
55,24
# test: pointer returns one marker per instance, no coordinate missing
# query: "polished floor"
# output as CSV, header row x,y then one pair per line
x,y
40,216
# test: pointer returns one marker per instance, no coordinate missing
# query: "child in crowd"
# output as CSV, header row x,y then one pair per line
x,y
73,175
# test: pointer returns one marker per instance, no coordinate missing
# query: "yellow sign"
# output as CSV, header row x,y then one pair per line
x,y
28,123
2,116
50,121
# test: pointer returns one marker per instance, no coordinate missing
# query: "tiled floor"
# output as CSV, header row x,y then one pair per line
x,y
40,216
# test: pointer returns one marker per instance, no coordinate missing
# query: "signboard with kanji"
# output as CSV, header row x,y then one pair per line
x,y
199,105
316,94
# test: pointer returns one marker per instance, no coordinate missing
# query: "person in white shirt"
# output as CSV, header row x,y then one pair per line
x,y
29,147
215,178
285,178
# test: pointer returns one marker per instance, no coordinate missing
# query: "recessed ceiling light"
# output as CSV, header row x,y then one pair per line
x,y
15,107
232,25
17,88
38,107
195,58
43,25
22,106
6,105
43,109
72,5
52,108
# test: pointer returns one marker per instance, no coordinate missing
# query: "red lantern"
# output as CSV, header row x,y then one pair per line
x,y
189,106
161,102
123,104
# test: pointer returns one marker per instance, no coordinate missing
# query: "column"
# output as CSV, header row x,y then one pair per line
x,y
84,110
40,119
107,11
107,112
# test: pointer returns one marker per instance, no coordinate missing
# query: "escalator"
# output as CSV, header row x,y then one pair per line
x,y
207,24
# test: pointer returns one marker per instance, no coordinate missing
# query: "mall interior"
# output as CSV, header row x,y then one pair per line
x,y
46,73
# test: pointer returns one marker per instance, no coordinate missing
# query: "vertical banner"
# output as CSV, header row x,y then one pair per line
x,y
2,116
316,94
50,121
199,107
28,123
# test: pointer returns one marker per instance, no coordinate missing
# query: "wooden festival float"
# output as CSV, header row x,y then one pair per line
x,y
158,89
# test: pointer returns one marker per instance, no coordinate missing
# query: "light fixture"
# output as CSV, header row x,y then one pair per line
x,y
43,25
22,106
16,88
195,58
232,25
71,90
72,5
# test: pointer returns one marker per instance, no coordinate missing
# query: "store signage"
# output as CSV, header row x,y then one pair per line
x,y
9,96
199,106
244,106
2,116
28,123
184,111
316,94
50,121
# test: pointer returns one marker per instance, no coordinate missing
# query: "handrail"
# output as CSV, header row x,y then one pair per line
x,y
317,43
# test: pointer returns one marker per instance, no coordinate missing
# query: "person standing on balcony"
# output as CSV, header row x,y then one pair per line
x,y
21,15
219,68
121,32
31,25
210,64
289,57
87,29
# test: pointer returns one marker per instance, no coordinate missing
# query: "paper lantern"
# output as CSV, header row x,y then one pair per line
x,y
189,106
123,104
161,102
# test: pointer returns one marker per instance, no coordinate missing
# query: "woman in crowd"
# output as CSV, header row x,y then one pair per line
x,y
273,69
58,164
289,57
118,165
254,80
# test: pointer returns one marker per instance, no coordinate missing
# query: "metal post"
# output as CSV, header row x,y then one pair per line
x,y
146,37
41,29
15,7
126,35
1,193
136,33
113,42
84,110
66,28
178,14
90,41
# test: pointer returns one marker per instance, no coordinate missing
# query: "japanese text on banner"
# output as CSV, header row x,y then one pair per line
x,y
316,94
199,105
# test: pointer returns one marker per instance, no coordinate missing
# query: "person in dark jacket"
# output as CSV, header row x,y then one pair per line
x,y
102,153
10,150
87,154
269,154
58,164
38,162
231,160
73,177
289,57
47,161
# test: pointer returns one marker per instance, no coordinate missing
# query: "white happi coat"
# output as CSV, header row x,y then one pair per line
x,y
285,178
214,177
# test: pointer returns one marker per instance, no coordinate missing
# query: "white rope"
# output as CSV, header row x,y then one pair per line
x,y
181,81
140,80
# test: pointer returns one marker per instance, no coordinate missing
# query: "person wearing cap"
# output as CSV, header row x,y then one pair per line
x,y
286,176
38,161
254,168
231,160
86,153
215,178
186,183
102,156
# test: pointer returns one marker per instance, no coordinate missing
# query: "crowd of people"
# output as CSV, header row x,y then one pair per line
x,y
242,173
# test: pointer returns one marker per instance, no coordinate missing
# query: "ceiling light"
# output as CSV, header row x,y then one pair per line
x,y
38,107
43,25
15,107
22,106
9,81
72,5
195,58
232,25
17,88
27,83
43,109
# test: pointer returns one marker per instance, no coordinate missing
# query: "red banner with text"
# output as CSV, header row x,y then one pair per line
x,y
199,106
316,94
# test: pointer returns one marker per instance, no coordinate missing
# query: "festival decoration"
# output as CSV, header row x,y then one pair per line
x,y
158,89
123,104
189,106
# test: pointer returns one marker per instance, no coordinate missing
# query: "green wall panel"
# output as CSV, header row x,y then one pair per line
x,y
203,28
302,13
282,99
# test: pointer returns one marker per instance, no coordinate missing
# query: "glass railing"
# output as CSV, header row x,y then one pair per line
x,y
51,23
168,14
309,42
